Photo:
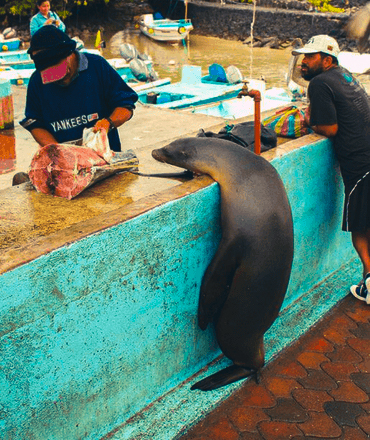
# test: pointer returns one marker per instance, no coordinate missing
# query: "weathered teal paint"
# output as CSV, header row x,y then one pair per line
x,y
94,332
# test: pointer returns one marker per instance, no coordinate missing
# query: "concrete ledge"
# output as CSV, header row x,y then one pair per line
x,y
98,332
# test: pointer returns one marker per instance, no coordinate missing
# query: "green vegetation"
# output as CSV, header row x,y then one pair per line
x,y
64,8
320,5
325,6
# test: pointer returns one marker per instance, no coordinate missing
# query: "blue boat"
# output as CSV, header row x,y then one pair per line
x,y
194,90
17,59
9,45
17,67
236,108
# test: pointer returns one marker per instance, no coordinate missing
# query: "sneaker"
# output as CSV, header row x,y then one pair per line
x,y
367,282
360,291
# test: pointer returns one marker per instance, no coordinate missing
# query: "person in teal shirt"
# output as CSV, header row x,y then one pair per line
x,y
45,17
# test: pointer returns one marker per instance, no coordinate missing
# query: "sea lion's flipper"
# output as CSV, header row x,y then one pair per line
x,y
216,284
224,377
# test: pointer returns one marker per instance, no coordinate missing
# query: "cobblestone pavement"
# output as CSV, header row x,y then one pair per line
x,y
318,388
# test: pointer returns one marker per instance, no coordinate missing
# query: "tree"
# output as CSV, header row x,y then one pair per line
x,y
64,8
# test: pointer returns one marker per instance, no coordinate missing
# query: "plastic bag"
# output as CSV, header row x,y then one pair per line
x,y
98,142
288,122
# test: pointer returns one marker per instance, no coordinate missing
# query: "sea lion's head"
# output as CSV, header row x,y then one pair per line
x,y
189,153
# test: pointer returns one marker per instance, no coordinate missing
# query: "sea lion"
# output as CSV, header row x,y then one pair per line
x,y
244,286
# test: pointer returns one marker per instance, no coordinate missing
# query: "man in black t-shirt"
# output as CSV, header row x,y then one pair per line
x,y
340,109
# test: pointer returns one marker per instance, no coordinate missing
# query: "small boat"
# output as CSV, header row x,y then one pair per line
x,y
20,59
236,108
9,45
9,40
16,76
194,90
17,67
16,59
164,29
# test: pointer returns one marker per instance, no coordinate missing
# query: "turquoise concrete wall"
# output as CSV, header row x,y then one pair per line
x,y
94,332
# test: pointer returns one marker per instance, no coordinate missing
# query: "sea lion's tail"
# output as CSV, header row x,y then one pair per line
x,y
225,377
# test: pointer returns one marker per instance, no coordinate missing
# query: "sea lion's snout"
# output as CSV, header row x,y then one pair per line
x,y
172,156
159,155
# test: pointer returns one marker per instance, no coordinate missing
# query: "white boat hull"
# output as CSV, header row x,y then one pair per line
x,y
170,31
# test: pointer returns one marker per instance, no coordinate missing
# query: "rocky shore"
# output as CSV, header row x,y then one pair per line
x,y
279,24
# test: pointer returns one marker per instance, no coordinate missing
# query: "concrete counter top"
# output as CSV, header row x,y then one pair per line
x,y
33,224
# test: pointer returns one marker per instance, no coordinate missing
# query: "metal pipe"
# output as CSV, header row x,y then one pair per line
x,y
256,95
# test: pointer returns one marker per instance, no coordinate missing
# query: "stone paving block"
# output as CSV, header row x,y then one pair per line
x,y
250,436
320,425
349,392
358,312
278,430
362,346
343,322
311,359
221,430
362,331
293,369
320,345
344,413
353,434
287,410
362,380
366,406
337,336
364,423
364,366
318,380
312,400
246,418
256,395
344,354
281,387
339,370
307,438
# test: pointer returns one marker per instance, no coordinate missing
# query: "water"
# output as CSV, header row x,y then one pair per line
x,y
200,50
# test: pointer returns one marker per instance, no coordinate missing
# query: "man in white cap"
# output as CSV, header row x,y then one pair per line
x,y
340,109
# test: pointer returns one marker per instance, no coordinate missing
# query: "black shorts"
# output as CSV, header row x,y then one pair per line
x,y
356,213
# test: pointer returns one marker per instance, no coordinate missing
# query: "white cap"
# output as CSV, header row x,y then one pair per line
x,y
320,43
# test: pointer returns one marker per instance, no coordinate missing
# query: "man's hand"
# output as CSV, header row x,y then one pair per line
x,y
102,123
326,130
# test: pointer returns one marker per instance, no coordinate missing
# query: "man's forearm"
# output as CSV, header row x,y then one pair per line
x,y
120,115
325,130
43,137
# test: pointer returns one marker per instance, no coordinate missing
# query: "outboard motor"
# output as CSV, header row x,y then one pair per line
x,y
296,84
139,69
9,33
80,44
233,75
128,51
153,75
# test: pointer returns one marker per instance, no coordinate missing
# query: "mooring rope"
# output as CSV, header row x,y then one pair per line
x,y
251,44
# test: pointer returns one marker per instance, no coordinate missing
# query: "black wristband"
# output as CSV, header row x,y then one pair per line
x,y
111,125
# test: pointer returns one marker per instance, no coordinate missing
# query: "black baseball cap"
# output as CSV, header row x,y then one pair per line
x,y
49,46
